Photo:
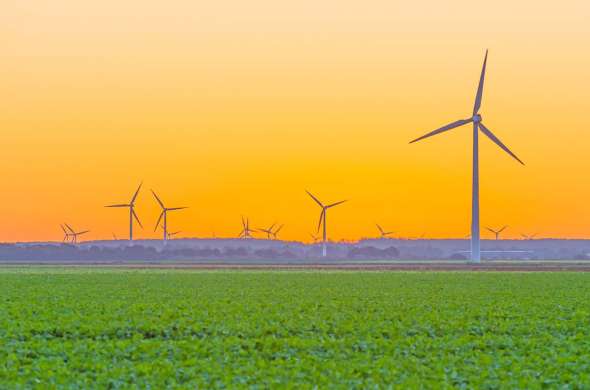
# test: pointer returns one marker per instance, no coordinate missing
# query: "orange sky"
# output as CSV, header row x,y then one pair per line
x,y
234,108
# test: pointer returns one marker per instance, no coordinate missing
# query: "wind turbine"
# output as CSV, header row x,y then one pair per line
x,y
323,218
314,237
529,237
171,234
75,234
164,214
477,127
276,232
384,234
268,231
246,231
497,232
66,233
132,214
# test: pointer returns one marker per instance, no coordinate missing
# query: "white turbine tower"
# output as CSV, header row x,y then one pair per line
x,y
164,214
132,214
323,219
477,127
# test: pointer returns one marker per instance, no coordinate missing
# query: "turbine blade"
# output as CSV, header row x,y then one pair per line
x,y
83,232
379,227
278,229
118,205
63,228
158,199
159,219
501,230
477,104
491,136
335,204
136,192
491,230
448,127
136,218
314,198
321,219
70,228
176,208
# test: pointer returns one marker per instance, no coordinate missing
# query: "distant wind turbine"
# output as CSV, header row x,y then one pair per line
x,y
276,232
323,219
246,231
132,214
74,234
66,233
314,237
529,237
164,214
271,232
477,127
497,232
383,233
172,233
268,231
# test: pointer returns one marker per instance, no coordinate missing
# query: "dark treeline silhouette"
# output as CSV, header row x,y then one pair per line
x,y
203,250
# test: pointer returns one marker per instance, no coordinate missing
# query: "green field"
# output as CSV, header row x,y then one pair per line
x,y
115,328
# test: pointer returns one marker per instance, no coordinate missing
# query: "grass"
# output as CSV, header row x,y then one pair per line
x,y
65,327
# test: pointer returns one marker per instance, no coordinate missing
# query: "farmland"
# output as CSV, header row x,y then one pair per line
x,y
193,328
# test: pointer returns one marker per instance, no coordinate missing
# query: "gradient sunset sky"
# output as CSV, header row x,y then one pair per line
x,y
236,107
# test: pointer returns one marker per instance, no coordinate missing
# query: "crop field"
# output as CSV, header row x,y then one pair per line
x,y
119,328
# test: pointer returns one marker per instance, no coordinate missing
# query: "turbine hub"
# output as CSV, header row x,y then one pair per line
x,y
476,118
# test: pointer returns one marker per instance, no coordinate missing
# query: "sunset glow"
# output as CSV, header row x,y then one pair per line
x,y
236,108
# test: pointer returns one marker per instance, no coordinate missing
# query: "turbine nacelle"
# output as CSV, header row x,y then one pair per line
x,y
476,118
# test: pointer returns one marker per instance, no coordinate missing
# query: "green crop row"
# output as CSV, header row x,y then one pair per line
x,y
155,329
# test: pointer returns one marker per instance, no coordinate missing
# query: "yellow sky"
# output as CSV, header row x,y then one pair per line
x,y
234,108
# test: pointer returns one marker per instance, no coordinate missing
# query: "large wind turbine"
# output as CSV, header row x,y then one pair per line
x,y
164,214
323,219
497,232
477,127
131,206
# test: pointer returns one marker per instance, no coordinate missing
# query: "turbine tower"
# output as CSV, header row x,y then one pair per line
x,y
497,232
164,214
132,214
478,126
246,231
323,219
383,233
